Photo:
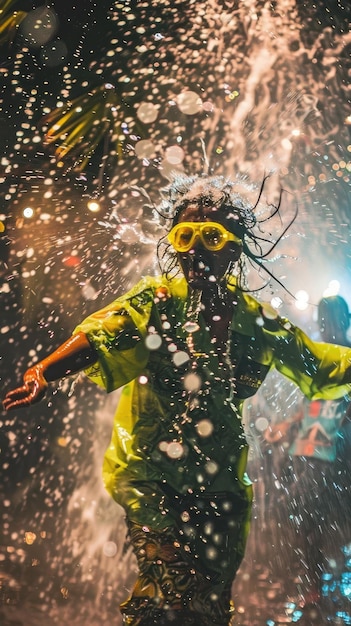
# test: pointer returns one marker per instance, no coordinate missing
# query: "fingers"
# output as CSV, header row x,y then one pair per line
x,y
31,391
16,403
22,396
17,397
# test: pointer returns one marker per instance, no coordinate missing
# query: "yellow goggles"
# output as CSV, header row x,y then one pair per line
x,y
212,235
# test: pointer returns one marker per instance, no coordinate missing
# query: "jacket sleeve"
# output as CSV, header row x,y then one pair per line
x,y
321,370
117,333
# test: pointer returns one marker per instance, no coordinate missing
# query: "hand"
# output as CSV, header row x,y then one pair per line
x,y
32,390
277,432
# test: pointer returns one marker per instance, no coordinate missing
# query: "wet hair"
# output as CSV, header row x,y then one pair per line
x,y
218,193
333,317
241,219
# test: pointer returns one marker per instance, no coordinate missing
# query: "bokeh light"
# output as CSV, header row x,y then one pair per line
x,y
28,212
105,102
302,299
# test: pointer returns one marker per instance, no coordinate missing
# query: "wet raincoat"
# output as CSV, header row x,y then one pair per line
x,y
178,422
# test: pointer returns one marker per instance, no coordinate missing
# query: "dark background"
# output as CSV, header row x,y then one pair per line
x,y
275,80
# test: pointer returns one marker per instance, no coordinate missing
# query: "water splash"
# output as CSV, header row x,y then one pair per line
x,y
271,93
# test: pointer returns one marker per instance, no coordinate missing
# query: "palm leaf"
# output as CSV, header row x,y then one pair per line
x,y
84,121
87,151
6,5
9,20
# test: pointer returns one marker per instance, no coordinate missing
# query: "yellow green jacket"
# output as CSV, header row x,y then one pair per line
x,y
163,433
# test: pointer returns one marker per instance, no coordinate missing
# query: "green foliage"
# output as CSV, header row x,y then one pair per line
x,y
79,127
9,20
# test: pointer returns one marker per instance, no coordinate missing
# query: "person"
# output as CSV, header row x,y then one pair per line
x,y
187,349
316,478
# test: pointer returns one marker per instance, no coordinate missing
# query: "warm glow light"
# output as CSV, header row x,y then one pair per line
x,y
93,206
29,538
28,212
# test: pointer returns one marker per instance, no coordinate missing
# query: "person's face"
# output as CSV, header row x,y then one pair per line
x,y
201,267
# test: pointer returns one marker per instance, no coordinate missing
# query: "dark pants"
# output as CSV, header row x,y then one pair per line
x,y
186,571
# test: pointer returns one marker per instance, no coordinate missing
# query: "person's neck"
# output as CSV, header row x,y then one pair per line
x,y
216,300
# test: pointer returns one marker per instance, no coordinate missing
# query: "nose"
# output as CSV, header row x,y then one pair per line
x,y
197,245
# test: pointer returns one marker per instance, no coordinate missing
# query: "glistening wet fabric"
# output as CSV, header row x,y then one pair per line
x,y
168,589
177,458
164,429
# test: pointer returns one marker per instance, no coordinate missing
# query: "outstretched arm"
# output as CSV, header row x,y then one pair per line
x,y
71,357
277,432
